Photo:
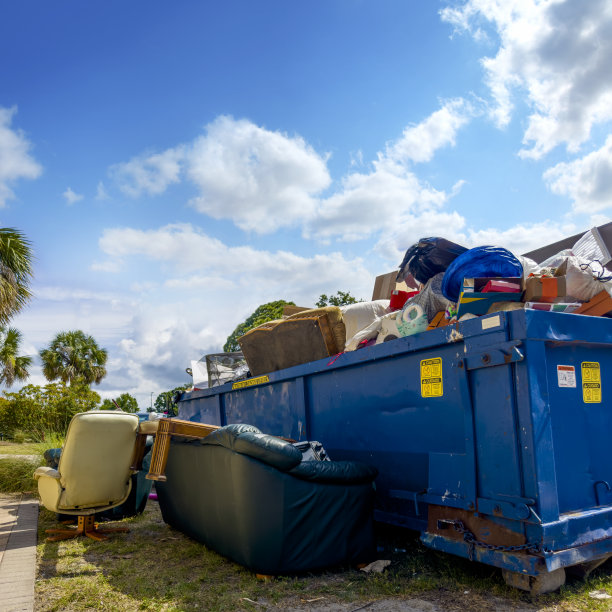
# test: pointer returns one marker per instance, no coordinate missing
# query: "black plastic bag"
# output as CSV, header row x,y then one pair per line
x,y
428,257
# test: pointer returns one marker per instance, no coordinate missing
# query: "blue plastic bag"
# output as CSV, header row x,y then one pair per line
x,y
480,262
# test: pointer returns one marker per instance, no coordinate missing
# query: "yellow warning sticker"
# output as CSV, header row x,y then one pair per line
x,y
250,382
431,377
591,382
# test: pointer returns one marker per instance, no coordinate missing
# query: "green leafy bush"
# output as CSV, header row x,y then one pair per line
x,y
38,411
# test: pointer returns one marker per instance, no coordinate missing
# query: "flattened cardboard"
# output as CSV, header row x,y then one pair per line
x,y
479,303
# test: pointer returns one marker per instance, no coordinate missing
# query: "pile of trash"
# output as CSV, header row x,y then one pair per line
x,y
456,284
439,283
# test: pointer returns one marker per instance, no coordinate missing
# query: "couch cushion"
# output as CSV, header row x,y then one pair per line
x,y
335,320
337,472
248,440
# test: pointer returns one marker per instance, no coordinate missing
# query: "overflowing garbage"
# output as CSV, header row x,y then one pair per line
x,y
456,283
438,283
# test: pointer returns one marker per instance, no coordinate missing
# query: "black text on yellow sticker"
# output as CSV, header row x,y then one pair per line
x,y
250,382
591,382
431,377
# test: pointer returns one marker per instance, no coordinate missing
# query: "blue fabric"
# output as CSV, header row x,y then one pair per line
x,y
480,262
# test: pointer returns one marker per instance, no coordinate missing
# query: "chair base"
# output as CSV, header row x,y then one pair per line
x,y
86,527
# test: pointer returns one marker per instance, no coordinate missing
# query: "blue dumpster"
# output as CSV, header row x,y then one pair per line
x,y
491,437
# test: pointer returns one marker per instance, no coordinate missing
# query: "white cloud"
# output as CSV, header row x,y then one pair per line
x,y
391,195
559,52
370,202
259,179
420,142
149,174
188,250
59,294
394,243
110,265
521,238
587,181
101,193
15,159
262,180
71,197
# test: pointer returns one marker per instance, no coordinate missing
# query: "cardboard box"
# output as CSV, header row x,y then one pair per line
x,y
385,285
480,284
479,303
598,306
545,289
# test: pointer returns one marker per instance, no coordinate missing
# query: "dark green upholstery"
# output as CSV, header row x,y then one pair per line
x,y
249,499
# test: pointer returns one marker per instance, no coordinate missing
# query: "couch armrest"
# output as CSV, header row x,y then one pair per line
x,y
335,472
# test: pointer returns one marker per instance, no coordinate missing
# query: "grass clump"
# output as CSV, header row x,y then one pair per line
x,y
17,469
157,568
16,475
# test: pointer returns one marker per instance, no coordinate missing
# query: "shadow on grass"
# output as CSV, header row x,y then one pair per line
x,y
155,567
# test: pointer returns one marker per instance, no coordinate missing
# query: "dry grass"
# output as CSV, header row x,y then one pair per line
x,y
157,568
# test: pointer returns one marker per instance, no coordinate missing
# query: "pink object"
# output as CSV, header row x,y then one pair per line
x,y
500,286
153,496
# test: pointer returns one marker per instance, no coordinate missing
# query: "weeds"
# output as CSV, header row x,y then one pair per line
x,y
157,568
16,475
16,471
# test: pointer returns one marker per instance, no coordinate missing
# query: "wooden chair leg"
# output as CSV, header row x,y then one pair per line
x,y
87,527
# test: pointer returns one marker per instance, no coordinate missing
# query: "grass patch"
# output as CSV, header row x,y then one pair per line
x,y
16,475
13,448
16,471
157,568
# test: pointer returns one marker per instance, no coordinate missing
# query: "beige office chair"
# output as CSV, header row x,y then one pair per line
x,y
94,471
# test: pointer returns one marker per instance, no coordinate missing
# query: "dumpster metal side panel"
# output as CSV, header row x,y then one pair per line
x,y
504,440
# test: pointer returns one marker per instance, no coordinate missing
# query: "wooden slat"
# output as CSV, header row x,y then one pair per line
x,y
161,446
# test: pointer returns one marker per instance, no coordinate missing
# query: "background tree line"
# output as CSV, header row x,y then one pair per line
x,y
73,360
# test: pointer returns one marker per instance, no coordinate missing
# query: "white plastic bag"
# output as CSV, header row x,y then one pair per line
x,y
584,279
359,316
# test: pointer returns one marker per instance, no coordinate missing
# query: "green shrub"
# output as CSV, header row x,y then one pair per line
x,y
38,411
19,436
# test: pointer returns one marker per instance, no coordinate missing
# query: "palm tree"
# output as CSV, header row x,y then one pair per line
x,y
15,272
12,367
72,356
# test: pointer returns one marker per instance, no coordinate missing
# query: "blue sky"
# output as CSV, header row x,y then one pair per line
x,y
177,164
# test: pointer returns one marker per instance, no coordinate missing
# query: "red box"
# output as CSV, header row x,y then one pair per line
x,y
399,298
501,286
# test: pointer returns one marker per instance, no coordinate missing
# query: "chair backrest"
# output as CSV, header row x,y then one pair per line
x,y
95,463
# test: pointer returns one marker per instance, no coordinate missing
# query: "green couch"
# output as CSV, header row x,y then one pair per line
x,y
252,498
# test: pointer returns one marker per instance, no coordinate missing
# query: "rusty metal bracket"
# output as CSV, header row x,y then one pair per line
x,y
470,539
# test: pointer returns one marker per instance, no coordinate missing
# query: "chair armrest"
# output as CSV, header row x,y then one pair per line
x,y
49,487
46,471
148,427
